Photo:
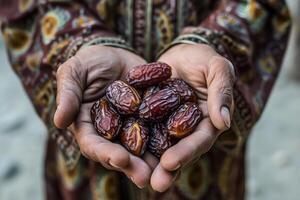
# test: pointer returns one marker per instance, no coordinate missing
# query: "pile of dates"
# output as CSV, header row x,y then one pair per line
x,y
150,111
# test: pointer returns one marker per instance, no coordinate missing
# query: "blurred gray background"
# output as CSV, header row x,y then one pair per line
x,y
273,151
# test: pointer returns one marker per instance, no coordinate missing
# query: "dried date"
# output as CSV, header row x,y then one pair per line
x,y
106,120
151,90
143,76
124,97
159,140
159,105
184,120
182,88
134,136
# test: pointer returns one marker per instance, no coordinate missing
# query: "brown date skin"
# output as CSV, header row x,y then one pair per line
x,y
123,97
182,88
134,136
106,120
143,76
159,105
159,140
184,120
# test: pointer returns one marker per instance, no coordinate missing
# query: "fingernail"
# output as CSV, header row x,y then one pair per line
x,y
131,178
226,116
113,165
177,167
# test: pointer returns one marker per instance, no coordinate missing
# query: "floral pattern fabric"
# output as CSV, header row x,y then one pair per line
x,y
253,34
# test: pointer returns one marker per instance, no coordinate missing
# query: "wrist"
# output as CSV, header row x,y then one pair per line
x,y
111,42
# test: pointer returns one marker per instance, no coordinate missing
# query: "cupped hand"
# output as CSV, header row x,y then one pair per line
x,y
81,81
212,76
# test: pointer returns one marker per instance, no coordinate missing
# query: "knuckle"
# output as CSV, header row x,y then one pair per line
x,y
224,66
226,91
228,67
68,66
227,95
76,76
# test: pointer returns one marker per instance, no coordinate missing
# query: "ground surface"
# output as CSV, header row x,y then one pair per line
x,y
273,156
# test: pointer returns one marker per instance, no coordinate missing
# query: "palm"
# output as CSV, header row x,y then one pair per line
x,y
191,67
102,66
81,81
212,78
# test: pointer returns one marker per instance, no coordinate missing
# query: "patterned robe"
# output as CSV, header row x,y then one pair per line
x,y
41,34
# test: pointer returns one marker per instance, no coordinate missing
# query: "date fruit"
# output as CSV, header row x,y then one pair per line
x,y
134,136
143,76
106,120
124,97
184,120
159,105
159,140
151,90
182,88
149,95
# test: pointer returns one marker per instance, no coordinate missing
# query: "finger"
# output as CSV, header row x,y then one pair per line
x,y
161,180
220,82
190,147
113,156
138,171
99,149
110,155
151,160
70,83
95,147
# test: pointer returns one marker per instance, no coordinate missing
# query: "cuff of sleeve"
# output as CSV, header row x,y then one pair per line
x,y
109,41
199,36
71,48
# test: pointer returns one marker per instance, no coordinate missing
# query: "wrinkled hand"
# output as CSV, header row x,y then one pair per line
x,y
212,76
80,82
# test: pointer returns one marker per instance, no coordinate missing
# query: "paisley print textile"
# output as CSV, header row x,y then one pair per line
x,y
253,34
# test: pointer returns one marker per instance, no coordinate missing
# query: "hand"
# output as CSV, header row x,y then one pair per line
x,y
80,82
212,76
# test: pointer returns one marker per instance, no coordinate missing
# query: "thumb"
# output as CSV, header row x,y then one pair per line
x,y
70,83
220,82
